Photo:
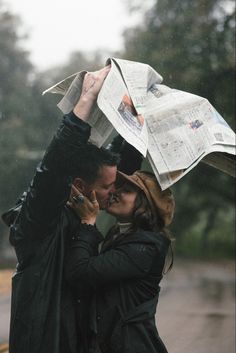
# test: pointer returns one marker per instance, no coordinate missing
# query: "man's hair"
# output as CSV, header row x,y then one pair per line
x,y
87,162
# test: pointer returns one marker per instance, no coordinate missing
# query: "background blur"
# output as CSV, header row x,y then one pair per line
x,y
191,43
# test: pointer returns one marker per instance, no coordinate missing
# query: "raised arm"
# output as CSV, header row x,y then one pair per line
x,y
130,260
50,187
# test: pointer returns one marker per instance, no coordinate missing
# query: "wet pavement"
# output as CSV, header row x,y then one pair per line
x,y
196,310
4,317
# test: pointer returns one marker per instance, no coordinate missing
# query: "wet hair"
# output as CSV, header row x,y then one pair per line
x,y
143,215
146,220
91,159
84,161
143,218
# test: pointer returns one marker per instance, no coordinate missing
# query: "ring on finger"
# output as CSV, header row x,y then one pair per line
x,y
78,199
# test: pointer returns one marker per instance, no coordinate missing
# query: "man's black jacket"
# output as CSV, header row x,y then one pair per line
x,y
45,316
43,307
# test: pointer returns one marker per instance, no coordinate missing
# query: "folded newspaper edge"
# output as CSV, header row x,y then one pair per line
x,y
174,129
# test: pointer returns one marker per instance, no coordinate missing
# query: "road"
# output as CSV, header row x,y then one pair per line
x,y
196,310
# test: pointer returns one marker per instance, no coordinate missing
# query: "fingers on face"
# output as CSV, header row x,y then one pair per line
x,y
77,197
76,190
93,197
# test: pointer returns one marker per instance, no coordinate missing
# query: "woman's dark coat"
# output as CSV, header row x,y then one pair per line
x,y
126,276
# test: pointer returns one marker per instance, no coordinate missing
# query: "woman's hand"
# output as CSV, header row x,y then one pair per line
x,y
86,208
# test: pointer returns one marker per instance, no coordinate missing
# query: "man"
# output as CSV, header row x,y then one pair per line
x,y
44,313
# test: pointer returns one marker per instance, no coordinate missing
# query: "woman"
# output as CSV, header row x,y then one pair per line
x,y
126,273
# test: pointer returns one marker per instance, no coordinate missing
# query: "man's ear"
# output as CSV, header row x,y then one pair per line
x,y
79,184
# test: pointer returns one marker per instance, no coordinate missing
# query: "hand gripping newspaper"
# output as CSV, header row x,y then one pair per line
x,y
173,129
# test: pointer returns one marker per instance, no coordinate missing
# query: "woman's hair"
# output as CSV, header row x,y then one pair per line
x,y
143,215
144,218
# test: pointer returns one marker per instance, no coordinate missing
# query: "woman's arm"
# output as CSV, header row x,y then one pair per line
x,y
126,261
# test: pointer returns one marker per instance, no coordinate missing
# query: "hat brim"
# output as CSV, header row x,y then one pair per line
x,y
161,202
125,177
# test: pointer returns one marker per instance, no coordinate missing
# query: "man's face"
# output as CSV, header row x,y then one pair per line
x,y
104,186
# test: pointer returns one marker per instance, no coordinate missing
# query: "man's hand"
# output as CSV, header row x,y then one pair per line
x,y
92,85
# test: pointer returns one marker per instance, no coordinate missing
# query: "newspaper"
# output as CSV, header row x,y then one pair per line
x,y
174,129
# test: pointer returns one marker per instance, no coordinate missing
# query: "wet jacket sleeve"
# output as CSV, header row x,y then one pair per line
x,y
50,187
130,158
126,261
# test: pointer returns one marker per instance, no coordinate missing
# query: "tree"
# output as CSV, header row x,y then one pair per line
x,y
14,66
77,61
21,113
191,44
14,72
27,120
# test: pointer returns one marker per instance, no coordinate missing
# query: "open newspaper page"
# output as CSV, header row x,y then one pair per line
x,y
176,129
71,88
62,86
115,108
125,80
183,128
139,78
220,157
224,161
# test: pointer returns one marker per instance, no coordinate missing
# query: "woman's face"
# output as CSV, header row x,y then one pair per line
x,y
122,203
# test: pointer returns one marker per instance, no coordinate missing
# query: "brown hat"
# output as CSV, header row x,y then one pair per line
x,y
161,202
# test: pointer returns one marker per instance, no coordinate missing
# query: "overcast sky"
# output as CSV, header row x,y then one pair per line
x,y
56,27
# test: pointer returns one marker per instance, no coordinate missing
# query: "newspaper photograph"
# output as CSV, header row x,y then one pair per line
x,y
115,101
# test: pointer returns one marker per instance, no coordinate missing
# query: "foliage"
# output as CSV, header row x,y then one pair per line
x,y
76,62
191,44
219,242
14,71
27,119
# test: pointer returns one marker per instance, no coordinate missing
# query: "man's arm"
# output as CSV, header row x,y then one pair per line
x,y
92,84
50,188
131,159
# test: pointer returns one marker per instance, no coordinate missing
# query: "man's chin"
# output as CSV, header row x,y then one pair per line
x,y
103,205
